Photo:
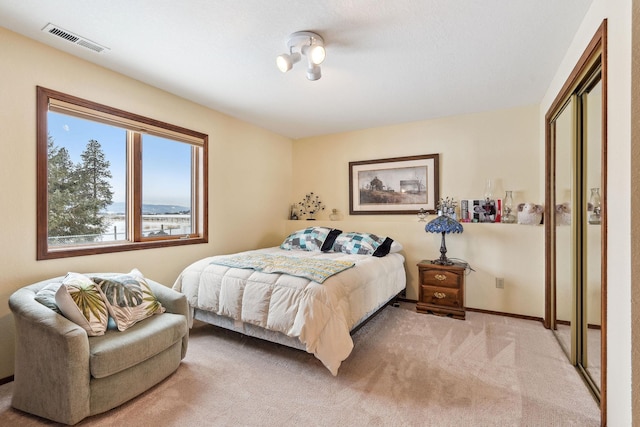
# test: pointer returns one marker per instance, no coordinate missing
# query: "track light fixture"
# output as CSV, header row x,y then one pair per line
x,y
304,43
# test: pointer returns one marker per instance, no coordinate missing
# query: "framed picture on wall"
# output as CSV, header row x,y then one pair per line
x,y
400,185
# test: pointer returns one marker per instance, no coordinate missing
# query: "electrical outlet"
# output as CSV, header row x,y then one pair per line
x,y
499,282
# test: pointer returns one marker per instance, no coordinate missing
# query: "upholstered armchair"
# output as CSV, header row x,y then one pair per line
x,y
65,375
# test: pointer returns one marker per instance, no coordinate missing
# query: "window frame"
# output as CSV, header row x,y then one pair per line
x,y
139,125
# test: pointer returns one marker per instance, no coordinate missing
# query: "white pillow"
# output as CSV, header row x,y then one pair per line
x,y
80,300
395,247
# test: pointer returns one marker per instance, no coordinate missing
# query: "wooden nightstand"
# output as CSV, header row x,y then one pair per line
x,y
441,289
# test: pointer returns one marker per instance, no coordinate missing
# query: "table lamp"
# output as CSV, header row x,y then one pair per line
x,y
443,224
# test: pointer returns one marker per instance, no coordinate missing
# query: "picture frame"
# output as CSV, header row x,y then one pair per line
x,y
399,185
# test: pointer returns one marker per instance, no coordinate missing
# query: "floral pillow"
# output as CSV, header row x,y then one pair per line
x,y
362,244
80,300
128,297
311,239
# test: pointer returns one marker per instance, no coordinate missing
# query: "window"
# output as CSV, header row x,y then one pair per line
x,y
111,181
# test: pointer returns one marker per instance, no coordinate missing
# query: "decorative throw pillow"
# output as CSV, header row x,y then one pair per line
x,y
80,301
330,240
395,247
129,298
384,248
311,239
362,244
47,296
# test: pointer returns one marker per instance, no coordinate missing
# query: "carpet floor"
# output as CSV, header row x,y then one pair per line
x,y
407,369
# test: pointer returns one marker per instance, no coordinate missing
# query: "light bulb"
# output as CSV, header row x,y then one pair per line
x,y
285,61
317,54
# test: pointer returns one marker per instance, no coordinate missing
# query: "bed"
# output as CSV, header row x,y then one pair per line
x,y
309,293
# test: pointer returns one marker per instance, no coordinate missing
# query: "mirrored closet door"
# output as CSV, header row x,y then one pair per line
x,y
564,134
575,216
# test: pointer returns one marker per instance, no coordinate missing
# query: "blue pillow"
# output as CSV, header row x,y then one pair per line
x,y
47,296
311,239
362,244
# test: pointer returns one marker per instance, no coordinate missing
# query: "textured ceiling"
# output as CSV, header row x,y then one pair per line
x,y
387,62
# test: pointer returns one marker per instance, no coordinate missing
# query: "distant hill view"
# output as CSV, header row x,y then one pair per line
x,y
119,208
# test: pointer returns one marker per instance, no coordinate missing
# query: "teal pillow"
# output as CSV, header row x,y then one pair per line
x,y
362,244
47,296
311,239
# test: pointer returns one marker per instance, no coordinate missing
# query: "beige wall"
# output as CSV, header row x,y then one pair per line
x,y
635,206
244,215
619,290
502,145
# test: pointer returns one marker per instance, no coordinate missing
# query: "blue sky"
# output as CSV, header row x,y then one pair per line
x,y
166,164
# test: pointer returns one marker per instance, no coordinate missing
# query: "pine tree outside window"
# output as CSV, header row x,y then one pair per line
x,y
111,181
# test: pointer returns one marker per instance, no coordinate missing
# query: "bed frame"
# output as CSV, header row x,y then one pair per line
x,y
274,336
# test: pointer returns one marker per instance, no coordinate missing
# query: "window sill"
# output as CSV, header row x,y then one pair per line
x,y
69,252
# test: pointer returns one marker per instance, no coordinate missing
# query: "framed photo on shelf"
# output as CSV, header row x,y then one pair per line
x,y
399,185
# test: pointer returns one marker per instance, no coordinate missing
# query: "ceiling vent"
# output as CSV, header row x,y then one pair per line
x,y
73,38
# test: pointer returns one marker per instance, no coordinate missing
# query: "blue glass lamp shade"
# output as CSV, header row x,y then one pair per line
x,y
444,225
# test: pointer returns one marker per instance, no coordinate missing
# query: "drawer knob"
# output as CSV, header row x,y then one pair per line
x,y
440,277
439,295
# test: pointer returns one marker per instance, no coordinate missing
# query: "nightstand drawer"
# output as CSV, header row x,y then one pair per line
x,y
446,297
440,278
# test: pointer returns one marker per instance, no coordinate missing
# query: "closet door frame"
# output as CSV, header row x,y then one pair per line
x,y
594,57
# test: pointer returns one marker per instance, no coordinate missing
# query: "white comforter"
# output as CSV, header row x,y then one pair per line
x,y
319,315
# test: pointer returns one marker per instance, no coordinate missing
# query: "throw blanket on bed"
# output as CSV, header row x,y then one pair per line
x,y
317,270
